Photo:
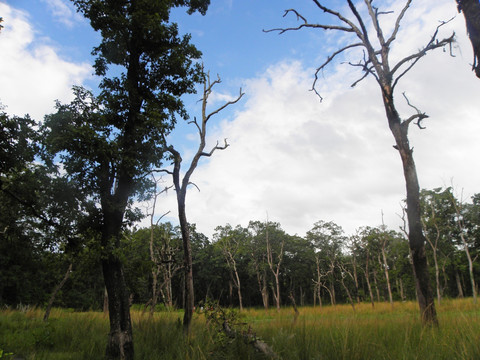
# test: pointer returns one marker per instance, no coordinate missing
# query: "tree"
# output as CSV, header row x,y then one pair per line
x,y
181,186
471,12
108,144
463,233
232,242
327,239
274,265
376,62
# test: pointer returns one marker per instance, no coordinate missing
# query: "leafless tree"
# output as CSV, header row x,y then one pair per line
x,y
369,36
471,11
459,220
230,248
434,245
275,267
181,185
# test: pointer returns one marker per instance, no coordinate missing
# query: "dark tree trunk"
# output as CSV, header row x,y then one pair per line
x,y
415,233
120,338
187,261
55,292
471,11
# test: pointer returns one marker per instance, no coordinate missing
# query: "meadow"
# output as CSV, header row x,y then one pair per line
x,y
327,332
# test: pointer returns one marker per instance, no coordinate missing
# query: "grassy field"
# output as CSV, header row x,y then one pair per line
x,y
317,333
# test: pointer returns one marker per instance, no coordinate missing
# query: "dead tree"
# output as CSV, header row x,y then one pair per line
x,y
376,62
434,245
161,258
181,185
230,248
463,236
471,12
275,268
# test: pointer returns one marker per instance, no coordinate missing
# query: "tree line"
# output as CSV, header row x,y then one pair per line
x,y
259,265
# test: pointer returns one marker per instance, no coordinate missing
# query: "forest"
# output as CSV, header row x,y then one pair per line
x,y
71,185
250,266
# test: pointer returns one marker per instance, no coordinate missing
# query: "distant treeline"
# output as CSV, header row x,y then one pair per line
x,y
324,267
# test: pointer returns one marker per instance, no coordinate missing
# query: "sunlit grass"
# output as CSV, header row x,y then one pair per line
x,y
382,332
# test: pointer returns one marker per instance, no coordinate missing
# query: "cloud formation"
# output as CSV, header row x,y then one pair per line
x,y
301,160
31,72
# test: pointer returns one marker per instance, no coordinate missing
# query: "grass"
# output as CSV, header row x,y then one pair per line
x,y
317,333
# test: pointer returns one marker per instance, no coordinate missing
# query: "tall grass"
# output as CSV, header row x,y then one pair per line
x,y
317,333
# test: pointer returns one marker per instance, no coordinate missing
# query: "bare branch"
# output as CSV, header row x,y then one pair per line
x,y
434,43
329,59
419,115
224,105
194,121
308,25
191,183
216,147
397,23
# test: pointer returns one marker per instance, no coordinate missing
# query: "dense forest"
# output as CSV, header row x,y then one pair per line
x,y
326,266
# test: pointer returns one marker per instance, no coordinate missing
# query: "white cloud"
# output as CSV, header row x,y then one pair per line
x,y
302,160
33,75
63,12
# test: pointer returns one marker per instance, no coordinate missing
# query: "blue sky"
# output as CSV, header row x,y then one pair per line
x,y
291,156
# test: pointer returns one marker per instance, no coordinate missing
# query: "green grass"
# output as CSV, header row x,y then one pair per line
x,y
318,333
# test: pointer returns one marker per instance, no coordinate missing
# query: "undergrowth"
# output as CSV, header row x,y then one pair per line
x,y
383,332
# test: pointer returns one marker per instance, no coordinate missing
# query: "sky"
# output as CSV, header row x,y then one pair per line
x,y
291,156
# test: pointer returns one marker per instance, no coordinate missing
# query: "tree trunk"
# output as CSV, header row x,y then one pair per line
x,y
120,339
376,284
471,11
459,284
55,292
470,267
367,278
187,262
387,277
415,234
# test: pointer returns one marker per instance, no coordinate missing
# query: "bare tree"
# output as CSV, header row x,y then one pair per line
x,y
162,257
471,11
383,243
459,220
434,245
274,267
376,62
230,242
181,186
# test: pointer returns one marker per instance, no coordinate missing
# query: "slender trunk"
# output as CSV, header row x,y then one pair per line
x,y
277,287
367,278
105,301
376,284
350,299
387,277
55,292
459,284
239,290
434,246
415,234
470,268
402,293
355,279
